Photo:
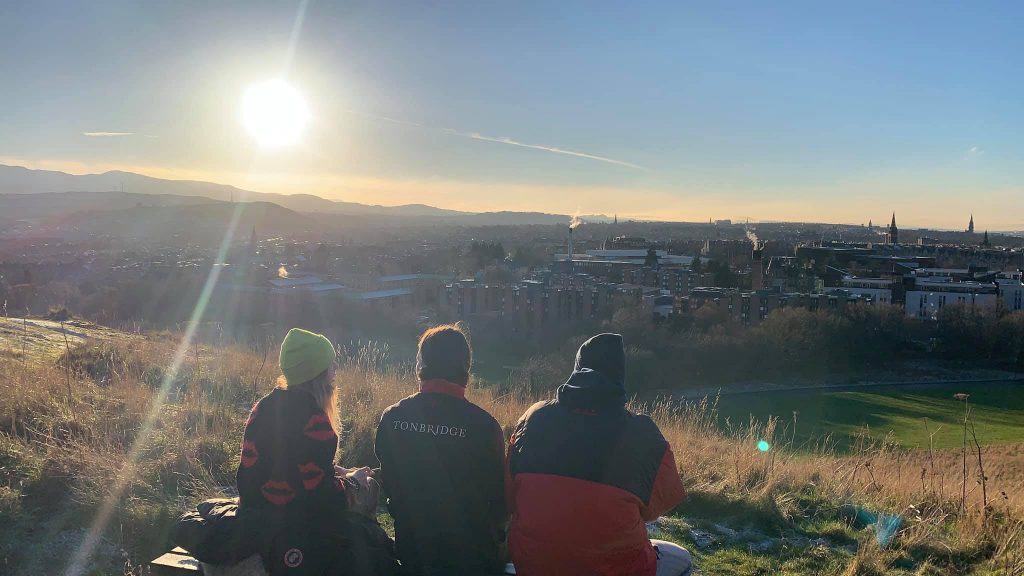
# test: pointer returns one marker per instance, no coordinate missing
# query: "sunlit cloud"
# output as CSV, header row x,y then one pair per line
x,y
106,134
975,151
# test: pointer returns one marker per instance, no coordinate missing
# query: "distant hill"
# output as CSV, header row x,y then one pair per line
x,y
199,223
514,218
55,197
55,204
21,180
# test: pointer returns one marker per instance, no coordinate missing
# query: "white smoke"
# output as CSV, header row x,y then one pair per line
x,y
282,272
752,236
575,222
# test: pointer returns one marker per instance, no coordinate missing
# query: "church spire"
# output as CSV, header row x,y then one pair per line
x,y
970,227
894,232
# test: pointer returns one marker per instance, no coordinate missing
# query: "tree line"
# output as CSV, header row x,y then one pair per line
x,y
708,349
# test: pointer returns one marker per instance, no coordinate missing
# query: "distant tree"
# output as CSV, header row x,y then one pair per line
x,y
482,254
966,332
651,261
527,257
320,256
723,274
58,314
5,290
634,323
709,315
498,275
696,265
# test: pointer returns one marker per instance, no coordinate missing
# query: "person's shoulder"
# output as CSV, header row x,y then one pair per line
x,y
400,406
276,394
272,398
480,412
539,409
644,427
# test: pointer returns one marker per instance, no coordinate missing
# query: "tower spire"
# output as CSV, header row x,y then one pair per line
x,y
894,232
970,226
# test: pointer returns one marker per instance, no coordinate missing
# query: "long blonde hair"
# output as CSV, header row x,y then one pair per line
x,y
324,392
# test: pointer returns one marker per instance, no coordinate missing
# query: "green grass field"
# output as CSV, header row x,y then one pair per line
x,y
997,410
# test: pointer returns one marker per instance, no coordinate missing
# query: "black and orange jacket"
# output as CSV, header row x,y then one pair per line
x,y
287,464
442,470
586,474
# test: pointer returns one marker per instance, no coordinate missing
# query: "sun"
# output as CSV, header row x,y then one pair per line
x,y
274,113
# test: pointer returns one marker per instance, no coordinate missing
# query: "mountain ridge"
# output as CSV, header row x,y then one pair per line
x,y
22,180
107,187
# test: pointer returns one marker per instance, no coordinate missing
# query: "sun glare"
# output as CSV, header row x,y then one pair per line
x,y
274,113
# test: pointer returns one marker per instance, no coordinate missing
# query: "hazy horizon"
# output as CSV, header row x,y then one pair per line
x,y
793,112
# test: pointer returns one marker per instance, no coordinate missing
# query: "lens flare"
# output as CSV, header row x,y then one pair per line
x,y
763,446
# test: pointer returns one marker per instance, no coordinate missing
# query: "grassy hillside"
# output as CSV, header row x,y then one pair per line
x,y
914,417
136,443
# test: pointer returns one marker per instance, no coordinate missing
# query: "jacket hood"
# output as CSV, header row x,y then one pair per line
x,y
604,353
587,388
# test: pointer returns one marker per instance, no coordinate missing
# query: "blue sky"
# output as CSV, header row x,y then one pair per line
x,y
785,110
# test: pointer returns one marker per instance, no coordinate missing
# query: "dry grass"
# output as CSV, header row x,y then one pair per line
x,y
60,458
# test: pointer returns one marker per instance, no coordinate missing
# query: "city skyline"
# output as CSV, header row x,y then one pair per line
x,y
796,112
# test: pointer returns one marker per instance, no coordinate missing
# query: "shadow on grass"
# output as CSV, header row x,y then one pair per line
x,y
762,514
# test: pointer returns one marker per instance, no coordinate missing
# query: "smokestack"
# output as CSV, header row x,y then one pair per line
x,y
570,249
574,223
757,266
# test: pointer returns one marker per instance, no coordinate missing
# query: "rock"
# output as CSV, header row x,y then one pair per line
x,y
726,531
702,538
761,546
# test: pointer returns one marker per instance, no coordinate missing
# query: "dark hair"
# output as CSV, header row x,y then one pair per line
x,y
444,353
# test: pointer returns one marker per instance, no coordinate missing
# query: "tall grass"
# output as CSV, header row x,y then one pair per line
x,y
60,454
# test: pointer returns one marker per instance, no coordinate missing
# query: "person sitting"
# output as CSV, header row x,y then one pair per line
x,y
586,474
287,480
441,467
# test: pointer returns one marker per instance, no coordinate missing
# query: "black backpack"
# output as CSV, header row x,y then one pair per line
x,y
219,532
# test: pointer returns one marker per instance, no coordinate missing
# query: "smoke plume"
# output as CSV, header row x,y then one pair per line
x,y
752,237
575,222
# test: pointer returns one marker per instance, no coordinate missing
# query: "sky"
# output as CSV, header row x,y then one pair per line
x,y
812,111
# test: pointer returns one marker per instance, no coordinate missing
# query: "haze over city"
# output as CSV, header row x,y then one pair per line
x,y
788,112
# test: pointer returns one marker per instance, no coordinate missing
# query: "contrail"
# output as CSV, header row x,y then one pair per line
x,y
107,134
476,136
503,140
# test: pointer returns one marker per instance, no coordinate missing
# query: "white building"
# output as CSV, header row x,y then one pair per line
x,y
873,290
629,256
931,294
305,283
1011,290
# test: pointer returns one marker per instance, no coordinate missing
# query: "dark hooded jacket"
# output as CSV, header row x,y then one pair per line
x,y
586,474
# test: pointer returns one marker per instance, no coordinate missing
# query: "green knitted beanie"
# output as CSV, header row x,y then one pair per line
x,y
305,355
